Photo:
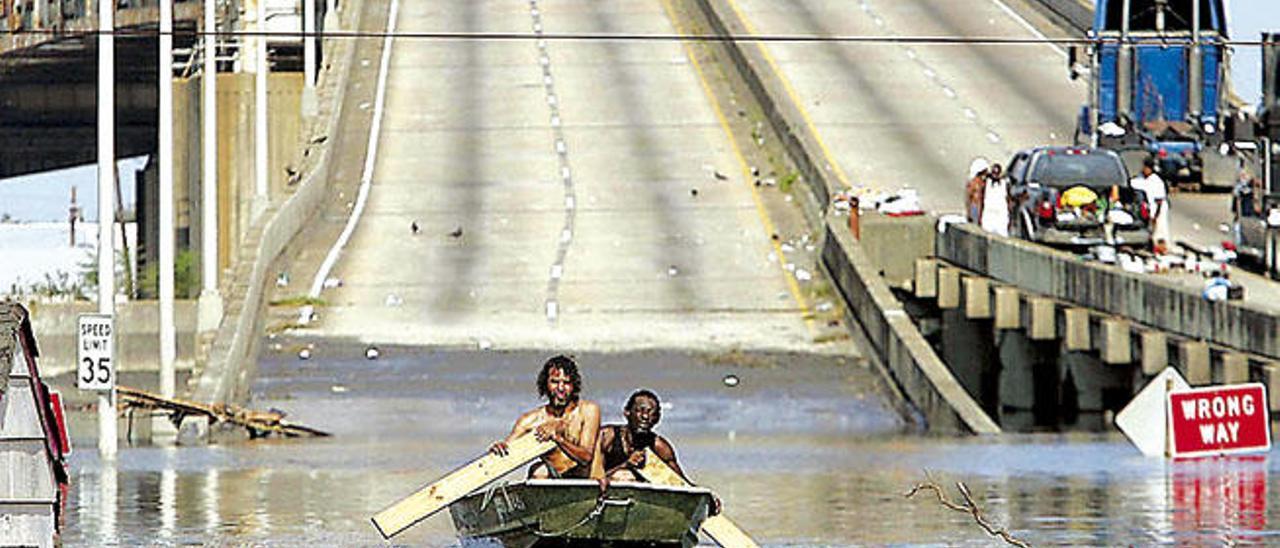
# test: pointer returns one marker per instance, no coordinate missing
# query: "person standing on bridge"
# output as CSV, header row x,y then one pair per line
x,y
973,189
995,202
570,421
1157,194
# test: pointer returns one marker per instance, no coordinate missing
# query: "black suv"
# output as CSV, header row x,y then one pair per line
x,y
1074,196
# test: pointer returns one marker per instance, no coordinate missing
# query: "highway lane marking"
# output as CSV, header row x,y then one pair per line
x,y
1027,25
552,303
793,286
795,98
366,176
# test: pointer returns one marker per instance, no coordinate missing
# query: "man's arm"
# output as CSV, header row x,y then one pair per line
x,y
522,426
663,449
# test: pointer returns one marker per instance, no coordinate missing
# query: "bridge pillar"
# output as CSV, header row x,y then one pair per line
x,y
948,288
969,350
926,282
1271,377
1008,308
977,298
1155,352
1235,368
1194,358
1114,346
1076,335
1044,321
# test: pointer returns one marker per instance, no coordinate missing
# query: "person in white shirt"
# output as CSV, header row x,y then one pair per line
x,y
1157,201
995,202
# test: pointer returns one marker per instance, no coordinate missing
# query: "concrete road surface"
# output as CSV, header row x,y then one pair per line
x,y
551,181
896,115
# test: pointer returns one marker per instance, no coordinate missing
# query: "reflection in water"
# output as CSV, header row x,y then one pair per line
x,y
815,458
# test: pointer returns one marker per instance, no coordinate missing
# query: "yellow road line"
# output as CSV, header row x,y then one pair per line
x,y
795,98
792,285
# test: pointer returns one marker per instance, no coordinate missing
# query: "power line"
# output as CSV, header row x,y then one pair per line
x,y
634,37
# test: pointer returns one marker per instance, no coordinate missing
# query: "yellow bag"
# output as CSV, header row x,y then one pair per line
x,y
1078,196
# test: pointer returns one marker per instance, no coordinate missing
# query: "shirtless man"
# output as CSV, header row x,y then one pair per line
x,y
571,422
622,446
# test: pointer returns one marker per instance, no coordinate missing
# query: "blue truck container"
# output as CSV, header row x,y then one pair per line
x,y
1157,69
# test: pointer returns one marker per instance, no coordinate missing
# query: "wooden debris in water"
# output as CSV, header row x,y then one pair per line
x,y
259,423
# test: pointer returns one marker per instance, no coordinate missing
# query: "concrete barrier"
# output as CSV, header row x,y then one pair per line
x,y
895,341
1142,298
785,119
137,334
225,375
878,317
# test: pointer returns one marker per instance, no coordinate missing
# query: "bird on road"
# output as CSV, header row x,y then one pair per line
x,y
414,227
457,232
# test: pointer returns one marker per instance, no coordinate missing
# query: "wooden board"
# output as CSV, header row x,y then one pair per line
x,y
458,483
720,528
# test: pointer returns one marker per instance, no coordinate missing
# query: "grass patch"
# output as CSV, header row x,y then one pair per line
x,y
788,181
299,300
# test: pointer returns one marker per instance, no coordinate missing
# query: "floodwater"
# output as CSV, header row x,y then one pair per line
x,y
804,451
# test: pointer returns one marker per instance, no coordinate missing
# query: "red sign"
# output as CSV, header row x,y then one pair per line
x,y
1219,420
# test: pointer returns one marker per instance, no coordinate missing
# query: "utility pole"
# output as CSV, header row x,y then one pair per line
x,y
168,336
260,112
106,208
309,39
210,303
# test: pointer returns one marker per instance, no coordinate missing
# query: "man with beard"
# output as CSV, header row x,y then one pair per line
x,y
622,447
566,419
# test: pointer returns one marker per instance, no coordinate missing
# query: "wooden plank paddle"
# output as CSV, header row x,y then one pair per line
x,y
721,529
457,484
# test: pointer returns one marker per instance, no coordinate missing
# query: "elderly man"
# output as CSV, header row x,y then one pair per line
x,y
570,421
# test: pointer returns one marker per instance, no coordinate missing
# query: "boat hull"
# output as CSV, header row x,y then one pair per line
x,y
572,513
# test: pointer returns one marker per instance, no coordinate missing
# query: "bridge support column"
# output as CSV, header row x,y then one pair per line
x,y
1155,352
1235,368
1114,346
977,298
948,288
1044,323
1076,337
1271,377
1008,308
1194,358
926,282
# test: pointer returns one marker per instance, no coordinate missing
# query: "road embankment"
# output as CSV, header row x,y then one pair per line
x,y
225,374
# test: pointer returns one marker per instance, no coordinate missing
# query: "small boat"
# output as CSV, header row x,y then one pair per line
x,y
571,512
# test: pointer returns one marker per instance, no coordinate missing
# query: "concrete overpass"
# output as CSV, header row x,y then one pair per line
x,y
48,89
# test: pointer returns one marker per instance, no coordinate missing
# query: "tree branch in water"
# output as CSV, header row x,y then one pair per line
x,y
969,507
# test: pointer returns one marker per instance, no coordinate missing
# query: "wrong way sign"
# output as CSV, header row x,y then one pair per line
x,y
1219,420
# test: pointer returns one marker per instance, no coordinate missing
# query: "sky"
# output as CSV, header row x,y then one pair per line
x,y
1246,19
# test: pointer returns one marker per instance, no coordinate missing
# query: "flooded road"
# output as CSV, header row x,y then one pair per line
x,y
810,454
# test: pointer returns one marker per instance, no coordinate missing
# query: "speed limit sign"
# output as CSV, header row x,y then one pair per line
x,y
95,369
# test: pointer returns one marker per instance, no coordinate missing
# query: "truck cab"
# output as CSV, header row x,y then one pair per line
x,y
1157,69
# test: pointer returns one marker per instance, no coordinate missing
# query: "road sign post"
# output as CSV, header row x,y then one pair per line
x,y
1219,420
96,370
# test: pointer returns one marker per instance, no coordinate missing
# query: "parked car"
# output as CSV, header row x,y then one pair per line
x,y
1256,228
1076,197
